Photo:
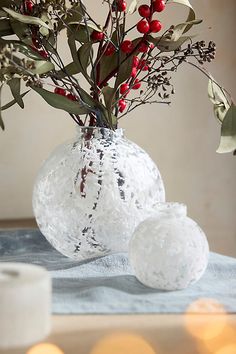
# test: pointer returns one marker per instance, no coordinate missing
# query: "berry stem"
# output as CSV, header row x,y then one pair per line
x,y
115,71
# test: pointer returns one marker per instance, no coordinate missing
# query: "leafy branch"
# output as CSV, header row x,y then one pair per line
x,y
121,73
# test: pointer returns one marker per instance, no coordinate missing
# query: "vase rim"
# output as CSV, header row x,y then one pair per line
x,y
171,208
100,132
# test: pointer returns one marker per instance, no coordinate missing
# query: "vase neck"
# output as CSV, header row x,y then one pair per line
x,y
87,133
171,209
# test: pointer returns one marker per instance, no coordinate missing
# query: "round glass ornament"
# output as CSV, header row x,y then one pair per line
x,y
168,250
92,192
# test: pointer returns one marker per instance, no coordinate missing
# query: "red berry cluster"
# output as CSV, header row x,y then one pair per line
x,y
62,92
147,24
132,83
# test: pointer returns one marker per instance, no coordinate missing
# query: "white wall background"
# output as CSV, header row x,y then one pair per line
x,y
182,139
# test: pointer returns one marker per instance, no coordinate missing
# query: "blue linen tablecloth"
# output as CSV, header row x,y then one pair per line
x,y
108,286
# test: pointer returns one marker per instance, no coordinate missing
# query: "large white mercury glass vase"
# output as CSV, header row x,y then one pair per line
x,y
92,192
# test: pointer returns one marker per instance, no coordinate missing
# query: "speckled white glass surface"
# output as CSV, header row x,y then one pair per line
x,y
91,193
168,250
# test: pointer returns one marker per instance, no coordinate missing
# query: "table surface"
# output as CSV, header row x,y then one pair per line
x,y
107,285
142,334
166,334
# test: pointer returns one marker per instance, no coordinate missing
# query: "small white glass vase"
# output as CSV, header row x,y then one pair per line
x,y
92,192
168,250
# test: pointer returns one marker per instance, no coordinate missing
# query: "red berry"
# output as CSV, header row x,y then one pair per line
x,y
121,6
29,6
60,91
144,11
110,50
143,65
97,36
133,72
155,26
158,5
143,47
136,85
127,46
124,89
71,97
135,61
143,26
122,105
43,54
151,46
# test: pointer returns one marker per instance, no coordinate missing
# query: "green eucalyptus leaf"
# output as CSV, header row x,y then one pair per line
x,y
166,45
42,67
216,93
133,7
89,100
81,57
107,65
46,19
70,70
74,15
220,111
218,97
124,70
11,103
84,53
73,50
44,31
61,102
191,15
14,85
5,28
111,62
81,33
29,20
109,94
180,29
1,120
22,31
228,132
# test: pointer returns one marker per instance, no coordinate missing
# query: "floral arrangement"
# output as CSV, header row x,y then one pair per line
x,y
124,67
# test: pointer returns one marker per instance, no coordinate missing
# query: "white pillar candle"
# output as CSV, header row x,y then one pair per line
x,y
25,304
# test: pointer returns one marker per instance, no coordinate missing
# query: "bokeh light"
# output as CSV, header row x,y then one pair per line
x,y
44,348
228,349
205,319
122,343
227,336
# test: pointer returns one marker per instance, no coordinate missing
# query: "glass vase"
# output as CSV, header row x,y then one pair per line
x,y
92,192
169,250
